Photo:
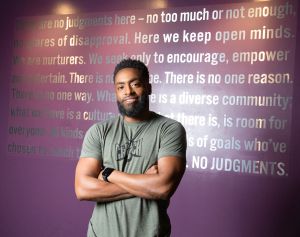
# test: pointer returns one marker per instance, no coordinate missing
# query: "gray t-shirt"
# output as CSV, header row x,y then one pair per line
x,y
133,148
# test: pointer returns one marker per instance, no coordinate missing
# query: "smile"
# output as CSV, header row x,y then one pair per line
x,y
130,100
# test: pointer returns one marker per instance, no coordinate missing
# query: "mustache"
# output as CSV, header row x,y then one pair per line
x,y
130,98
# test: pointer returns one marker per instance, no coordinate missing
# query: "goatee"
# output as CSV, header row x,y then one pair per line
x,y
137,109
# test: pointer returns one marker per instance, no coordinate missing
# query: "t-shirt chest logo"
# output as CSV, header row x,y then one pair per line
x,y
131,149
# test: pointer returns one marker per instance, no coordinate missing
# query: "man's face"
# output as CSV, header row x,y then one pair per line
x,y
132,93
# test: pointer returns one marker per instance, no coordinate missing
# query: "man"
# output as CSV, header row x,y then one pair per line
x,y
132,164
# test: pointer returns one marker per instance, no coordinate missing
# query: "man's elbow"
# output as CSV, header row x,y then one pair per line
x,y
165,196
79,192
164,193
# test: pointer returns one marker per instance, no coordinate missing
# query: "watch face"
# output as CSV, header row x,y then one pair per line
x,y
106,172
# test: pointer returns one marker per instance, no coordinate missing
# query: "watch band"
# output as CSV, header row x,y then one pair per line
x,y
106,172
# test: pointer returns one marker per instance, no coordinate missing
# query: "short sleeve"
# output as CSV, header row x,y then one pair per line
x,y
173,140
91,146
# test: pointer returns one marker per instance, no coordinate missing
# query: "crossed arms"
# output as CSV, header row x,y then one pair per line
x,y
158,182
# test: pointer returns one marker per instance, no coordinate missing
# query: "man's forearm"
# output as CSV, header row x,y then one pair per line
x,y
159,182
93,189
141,185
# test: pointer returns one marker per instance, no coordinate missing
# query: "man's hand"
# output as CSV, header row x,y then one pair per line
x,y
152,170
89,184
100,177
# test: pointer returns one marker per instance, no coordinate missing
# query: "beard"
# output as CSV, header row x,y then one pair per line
x,y
136,109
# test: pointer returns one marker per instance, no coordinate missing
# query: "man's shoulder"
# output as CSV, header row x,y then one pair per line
x,y
166,121
164,118
105,124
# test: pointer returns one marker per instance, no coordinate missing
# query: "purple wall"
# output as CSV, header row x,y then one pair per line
x,y
37,196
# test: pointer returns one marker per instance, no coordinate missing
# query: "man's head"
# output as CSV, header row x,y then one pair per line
x,y
131,63
131,79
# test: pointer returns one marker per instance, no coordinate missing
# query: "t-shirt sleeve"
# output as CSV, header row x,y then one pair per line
x,y
91,146
173,141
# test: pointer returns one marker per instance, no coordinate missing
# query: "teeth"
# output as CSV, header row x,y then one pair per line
x,y
130,100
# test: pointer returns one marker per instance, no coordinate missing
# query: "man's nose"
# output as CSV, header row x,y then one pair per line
x,y
128,89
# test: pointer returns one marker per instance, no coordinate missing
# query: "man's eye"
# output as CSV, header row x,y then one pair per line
x,y
136,84
120,88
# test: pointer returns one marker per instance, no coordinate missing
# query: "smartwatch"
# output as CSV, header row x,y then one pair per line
x,y
106,172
